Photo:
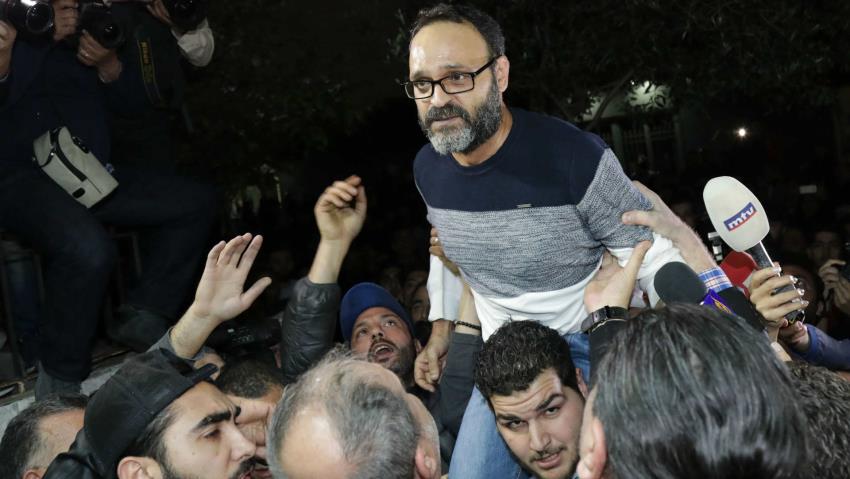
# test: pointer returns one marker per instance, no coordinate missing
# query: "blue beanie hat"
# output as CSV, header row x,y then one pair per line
x,y
363,296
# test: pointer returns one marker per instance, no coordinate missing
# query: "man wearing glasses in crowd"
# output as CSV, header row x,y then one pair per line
x,y
524,204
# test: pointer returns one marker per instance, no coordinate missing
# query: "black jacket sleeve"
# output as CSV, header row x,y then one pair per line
x,y
455,389
308,326
599,340
458,379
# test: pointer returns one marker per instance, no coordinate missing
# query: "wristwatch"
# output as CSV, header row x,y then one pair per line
x,y
601,315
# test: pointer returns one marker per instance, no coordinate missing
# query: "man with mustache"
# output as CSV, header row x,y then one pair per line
x,y
532,387
158,418
524,204
530,382
372,322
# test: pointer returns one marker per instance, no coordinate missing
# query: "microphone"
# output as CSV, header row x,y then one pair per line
x,y
675,282
739,268
739,218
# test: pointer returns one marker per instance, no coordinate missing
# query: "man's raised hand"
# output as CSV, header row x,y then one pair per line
x,y
436,249
774,306
336,217
661,220
431,361
613,285
220,294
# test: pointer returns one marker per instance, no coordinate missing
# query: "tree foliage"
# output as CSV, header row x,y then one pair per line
x,y
780,54
290,78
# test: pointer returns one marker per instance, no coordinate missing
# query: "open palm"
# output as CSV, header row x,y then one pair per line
x,y
220,295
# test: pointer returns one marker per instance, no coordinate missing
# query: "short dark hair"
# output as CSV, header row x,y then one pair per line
x,y
248,378
687,391
485,24
515,355
825,400
22,439
151,442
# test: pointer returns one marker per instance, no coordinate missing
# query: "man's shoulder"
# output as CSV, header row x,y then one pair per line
x,y
425,154
549,131
431,169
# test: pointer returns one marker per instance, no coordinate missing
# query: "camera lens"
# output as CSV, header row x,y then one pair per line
x,y
184,8
39,18
111,33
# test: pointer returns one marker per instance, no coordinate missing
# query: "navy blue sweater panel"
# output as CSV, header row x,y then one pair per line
x,y
544,162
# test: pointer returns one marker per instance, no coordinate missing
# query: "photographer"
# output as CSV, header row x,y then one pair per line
x,y
66,80
196,41
827,251
162,44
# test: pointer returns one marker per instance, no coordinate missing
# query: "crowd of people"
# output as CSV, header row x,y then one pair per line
x,y
534,344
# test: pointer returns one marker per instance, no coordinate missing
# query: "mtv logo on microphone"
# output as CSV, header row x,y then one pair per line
x,y
740,217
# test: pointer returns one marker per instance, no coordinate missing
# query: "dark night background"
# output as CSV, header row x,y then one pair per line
x,y
301,93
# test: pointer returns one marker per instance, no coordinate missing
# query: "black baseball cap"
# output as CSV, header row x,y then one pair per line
x,y
363,296
122,408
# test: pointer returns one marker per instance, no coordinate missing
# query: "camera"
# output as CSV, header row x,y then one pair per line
x,y
255,334
96,18
33,17
186,15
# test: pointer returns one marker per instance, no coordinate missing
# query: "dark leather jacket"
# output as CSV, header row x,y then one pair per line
x,y
308,326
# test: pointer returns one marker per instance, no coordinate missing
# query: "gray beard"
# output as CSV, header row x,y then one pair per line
x,y
474,131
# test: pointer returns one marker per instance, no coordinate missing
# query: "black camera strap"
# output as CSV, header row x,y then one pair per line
x,y
159,64
148,69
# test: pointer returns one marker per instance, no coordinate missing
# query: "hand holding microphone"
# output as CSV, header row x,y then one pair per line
x,y
774,307
739,218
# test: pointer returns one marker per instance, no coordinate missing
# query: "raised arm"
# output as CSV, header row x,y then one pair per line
x,y
310,317
661,220
340,214
611,287
458,379
220,295
610,194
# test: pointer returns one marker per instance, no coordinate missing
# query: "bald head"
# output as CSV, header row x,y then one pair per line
x,y
360,418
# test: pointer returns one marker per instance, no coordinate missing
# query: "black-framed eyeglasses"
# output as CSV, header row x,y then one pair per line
x,y
453,83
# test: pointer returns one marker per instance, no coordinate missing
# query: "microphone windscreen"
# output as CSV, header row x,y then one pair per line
x,y
737,215
675,282
739,268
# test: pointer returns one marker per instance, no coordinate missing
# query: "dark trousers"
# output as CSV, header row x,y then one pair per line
x,y
173,216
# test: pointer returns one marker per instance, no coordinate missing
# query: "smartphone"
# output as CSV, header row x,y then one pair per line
x,y
808,189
